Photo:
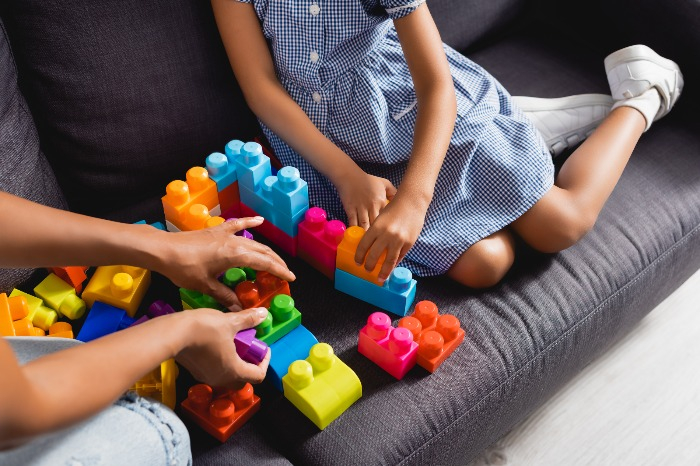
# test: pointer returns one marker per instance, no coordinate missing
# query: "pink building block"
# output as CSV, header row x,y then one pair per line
x,y
392,349
287,243
318,239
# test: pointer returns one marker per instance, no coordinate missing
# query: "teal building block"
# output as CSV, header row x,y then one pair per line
x,y
221,170
396,295
252,166
290,194
293,346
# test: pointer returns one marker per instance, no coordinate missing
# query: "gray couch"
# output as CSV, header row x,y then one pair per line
x,y
126,95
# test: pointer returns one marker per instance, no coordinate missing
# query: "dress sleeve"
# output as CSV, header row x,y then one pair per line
x,y
400,8
244,1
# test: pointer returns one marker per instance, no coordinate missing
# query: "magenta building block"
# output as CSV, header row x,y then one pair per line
x,y
392,349
249,348
318,239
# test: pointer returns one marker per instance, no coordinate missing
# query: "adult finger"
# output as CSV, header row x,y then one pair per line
x,y
224,296
392,258
234,225
266,262
247,318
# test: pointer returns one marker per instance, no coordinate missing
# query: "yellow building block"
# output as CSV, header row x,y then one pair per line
x,y
186,306
322,386
40,315
6,327
121,286
60,297
159,384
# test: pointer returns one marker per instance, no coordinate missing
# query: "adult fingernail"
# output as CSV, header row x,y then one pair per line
x,y
261,312
258,218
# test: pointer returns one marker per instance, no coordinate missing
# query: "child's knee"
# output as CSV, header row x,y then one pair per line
x,y
485,263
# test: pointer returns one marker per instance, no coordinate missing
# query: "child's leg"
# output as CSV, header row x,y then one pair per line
x,y
486,262
569,210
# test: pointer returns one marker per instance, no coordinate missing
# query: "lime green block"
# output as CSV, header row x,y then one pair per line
x,y
61,297
282,319
249,273
322,386
40,315
233,277
197,300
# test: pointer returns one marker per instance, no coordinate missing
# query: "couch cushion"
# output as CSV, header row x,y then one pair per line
x,y
24,171
127,95
526,337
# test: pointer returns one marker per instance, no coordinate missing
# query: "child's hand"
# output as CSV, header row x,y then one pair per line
x,y
194,259
210,353
395,231
364,196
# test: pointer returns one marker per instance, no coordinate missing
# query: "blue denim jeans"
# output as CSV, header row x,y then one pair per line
x,y
133,431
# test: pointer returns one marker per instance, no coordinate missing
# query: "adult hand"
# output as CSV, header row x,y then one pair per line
x,y
395,231
211,355
364,196
195,259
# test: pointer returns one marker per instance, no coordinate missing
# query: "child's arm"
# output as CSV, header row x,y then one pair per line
x,y
397,228
68,386
41,237
252,64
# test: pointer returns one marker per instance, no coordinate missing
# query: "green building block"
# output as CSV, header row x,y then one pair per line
x,y
233,277
60,296
282,319
196,300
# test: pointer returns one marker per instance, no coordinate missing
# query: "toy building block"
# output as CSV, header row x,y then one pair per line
x,y
252,166
23,327
222,171
322,386
392,349
181,195
8,307
38,332
159,308
214,222
41,316
121,286
192,299
259,293
285,242
345,259
159,384
102,320
437,336
318,239
291,347
60,297
220,414
171,227
282,319
61,330
73,275
396,294
249,348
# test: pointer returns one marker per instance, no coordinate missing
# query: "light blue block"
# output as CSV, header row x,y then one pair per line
x,y
293,346
290,195
289,225
396,295
221,170
252,166
260,199
233,150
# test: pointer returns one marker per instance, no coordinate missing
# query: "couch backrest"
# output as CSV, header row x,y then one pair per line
x,y
24,170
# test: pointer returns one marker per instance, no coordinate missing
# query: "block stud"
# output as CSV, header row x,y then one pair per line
x,y
427,313
233,149
321,357
378,325
121,285
301,374
400,341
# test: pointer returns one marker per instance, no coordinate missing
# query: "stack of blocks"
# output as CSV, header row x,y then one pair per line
x,y
192,204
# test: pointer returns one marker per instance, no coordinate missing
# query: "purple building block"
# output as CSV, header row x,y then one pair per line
x,y
159,308
249,348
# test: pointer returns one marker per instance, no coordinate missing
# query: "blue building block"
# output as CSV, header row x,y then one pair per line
x,y
289,225
290,194
233,150
293,346
252,166
159,225
263,202
221,170
102,320
396,295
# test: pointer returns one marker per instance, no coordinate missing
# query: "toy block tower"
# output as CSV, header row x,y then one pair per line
x,y
220,414
392,349
121,286
322,386
318,240
437,336
60,297
181,195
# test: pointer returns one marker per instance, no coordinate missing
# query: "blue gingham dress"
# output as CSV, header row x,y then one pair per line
x,y
341,61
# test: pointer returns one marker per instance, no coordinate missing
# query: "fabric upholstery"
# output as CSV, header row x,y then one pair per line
x,y
24,171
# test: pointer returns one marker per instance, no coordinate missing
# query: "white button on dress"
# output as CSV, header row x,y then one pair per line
x,y
316,96
314,56
314,9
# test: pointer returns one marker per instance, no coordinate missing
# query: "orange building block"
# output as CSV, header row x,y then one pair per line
x,y
181,195
260,292
345,258
437,336
73,275
23,328
37,332
9,307
61,330
220,414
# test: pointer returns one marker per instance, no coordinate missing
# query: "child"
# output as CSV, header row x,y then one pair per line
x,y
60,389
361,105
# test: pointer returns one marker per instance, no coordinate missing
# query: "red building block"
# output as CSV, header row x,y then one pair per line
x,y
230,200
392,349
437,336
73,275
318,239
220,414
287,243
260,292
